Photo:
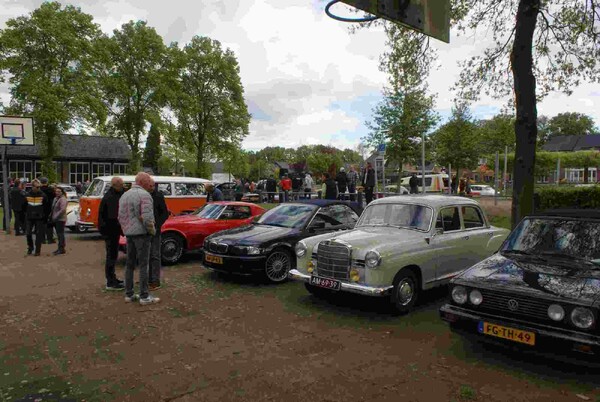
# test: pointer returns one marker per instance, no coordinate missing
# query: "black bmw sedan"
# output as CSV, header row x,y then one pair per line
x,y
267,245
541,291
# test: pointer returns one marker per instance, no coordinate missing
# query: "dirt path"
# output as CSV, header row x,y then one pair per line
x,y
214,338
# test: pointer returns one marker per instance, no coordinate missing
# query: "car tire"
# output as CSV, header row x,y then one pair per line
x,y
405,291
171,248
317,291
278,265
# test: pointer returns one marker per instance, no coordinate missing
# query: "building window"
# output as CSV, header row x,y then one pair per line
x,y
119,169
100,169
20,170
543,179
79,172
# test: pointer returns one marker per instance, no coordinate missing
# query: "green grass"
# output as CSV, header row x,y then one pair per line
x,y
466,392
502,221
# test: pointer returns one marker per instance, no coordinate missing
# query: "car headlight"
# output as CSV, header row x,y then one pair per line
x,y
556,312
459,295
582,317
372,259
301,249
89,212
475,297
252,250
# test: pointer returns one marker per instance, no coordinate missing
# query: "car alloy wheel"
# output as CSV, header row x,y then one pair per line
x,y
278,265
171,249
406,290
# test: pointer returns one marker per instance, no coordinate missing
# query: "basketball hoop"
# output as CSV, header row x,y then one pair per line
x,y
344,19
14,140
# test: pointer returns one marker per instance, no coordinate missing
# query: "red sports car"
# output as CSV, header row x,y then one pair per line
x,y
187,232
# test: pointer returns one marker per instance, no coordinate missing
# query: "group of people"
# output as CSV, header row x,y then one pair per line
x,y
138,214
38,213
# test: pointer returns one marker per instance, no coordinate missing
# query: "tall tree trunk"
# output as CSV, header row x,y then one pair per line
x,y
526,122
50,138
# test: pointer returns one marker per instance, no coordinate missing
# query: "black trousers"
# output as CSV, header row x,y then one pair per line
x,y
20,226
49,232
368,194
38,227
112,253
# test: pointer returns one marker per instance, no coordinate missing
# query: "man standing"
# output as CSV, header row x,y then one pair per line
x,y
213,193
352,178
413,183
18,203
308,185
108,224
136,216
329,188
37,217
342,182
161,214
49,192
368,182
286,187
271,186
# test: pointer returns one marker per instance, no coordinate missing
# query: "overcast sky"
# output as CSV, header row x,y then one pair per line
x,y
307,80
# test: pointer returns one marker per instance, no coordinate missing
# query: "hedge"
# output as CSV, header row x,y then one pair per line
x,y
552,197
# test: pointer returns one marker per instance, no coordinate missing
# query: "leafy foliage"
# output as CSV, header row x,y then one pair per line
x,y
572,123
556,197
497,133
152,151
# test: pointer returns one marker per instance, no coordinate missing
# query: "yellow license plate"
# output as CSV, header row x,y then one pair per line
x,y
215,259
512,334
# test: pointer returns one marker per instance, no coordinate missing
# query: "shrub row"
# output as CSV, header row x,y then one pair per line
x,y
552,197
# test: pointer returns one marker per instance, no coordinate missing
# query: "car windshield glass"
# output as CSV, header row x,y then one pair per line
x,y
68,189
554,237
210,211
95,189
399,215
288,216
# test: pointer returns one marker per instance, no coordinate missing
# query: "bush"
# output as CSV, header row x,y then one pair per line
x,y
552,197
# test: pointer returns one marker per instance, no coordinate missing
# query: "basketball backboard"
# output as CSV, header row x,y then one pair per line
x,y
15,130
430,17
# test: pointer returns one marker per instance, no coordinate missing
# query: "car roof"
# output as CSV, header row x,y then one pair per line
x,y
324,203
433,200
159,179
570,213
236,203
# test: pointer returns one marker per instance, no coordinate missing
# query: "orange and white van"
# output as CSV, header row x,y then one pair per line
x,y
182,195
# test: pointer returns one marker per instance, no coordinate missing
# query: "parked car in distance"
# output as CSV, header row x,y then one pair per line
x,y
541,291
183,233
483,190
251,197
393,188
267,246
228,190
70,191
399,247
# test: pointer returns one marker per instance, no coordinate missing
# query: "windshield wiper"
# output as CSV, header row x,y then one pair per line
x,y
570,257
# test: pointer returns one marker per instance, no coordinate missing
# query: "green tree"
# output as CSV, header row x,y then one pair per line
x,y
134,76
49,60
497,133
152,151
400,121
571,123
208,100
456,141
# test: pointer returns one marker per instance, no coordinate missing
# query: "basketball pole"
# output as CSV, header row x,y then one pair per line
x,y
5,205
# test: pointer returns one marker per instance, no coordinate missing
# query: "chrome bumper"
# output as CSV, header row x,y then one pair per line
x,y
82,223
348,287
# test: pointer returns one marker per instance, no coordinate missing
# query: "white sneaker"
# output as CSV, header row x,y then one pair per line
x,y
132,298
149,300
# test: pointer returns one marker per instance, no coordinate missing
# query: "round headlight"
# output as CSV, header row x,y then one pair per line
x,y
459,295
89,212
556,312
582,317
300,249
475,297
372,259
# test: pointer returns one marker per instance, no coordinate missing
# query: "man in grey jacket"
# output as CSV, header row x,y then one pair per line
x,y
136,216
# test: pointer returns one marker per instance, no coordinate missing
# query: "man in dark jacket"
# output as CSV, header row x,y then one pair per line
x,y
369,182
49,192
329,187
37,218
271,186
108,224
413,184
18,203
342,182
161,214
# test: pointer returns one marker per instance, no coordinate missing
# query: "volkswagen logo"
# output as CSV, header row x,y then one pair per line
x,y
513,305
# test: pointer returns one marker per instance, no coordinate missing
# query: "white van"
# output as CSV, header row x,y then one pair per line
x,y
434,183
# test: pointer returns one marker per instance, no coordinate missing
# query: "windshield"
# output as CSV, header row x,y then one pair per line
x,y
399,215
288,216
67,189
210,211
95,189
571,238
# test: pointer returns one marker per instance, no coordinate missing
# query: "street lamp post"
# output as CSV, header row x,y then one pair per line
x,y
423,162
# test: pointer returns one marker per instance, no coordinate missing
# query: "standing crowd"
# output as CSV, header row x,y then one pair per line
x,y
38,213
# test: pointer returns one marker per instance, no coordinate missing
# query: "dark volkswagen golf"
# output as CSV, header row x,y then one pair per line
x,y
267,245
540,291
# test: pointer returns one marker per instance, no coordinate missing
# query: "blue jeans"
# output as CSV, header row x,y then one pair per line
x,y
138,250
